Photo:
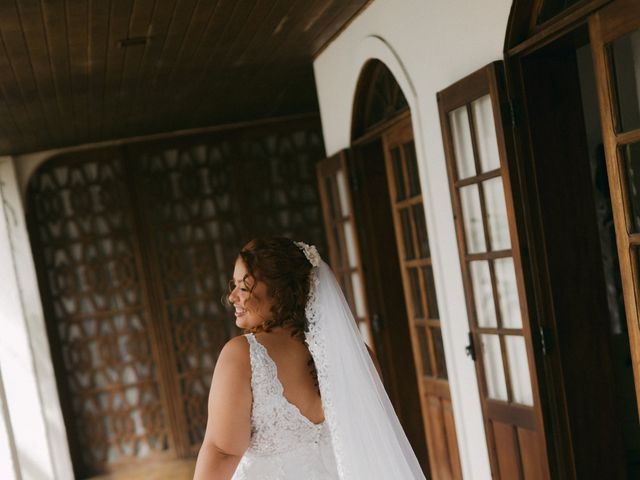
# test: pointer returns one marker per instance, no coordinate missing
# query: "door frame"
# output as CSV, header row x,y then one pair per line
x,y
524,38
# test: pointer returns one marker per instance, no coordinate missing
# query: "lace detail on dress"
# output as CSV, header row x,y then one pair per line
x,y
316,343
277,425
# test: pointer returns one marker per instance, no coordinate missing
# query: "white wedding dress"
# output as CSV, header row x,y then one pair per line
x,y
285,445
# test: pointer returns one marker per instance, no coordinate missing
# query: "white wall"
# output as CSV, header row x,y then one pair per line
x,y
33,439
427,45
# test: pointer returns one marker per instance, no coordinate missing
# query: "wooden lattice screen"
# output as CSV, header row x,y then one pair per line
x,y
134,247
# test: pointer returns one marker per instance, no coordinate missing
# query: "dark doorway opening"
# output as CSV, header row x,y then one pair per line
x,y
384,291
570,198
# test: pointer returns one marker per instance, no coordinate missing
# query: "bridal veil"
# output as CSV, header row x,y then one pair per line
x,y
368,440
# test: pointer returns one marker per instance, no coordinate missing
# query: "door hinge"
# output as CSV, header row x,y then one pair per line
x,y
470,349
546,339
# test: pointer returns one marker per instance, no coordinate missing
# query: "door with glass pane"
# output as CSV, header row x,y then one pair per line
x,y
344,251
615,39
471,121
420,297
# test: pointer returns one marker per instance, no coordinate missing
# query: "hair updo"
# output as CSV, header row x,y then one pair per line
x,y
285,270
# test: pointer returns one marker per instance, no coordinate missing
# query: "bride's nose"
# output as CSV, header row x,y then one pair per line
x,y
233,295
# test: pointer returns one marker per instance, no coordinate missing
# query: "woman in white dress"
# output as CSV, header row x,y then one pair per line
x,y
297,397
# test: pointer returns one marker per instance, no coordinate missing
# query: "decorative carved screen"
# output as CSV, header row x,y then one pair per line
x,y
134,248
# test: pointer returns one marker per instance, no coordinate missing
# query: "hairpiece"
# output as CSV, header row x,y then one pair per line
x,y
310,251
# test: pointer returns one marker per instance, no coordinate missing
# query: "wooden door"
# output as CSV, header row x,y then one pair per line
x,y
420,297
615,39
342,237
476,152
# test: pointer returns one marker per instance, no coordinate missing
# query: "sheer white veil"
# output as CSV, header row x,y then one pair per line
x,y
367,438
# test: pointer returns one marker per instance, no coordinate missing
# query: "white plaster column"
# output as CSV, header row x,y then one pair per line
x,y
36,426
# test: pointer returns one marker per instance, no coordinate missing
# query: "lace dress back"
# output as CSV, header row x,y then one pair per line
x,y
285,445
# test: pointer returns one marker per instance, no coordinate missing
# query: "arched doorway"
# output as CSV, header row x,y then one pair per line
x,y
377,235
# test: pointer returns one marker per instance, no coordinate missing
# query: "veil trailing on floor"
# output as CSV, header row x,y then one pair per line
x,y
368,440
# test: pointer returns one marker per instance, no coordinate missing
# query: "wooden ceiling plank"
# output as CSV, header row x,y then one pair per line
x,y
20,61
176,82
78,63
34,37
216,25
325,31
355,8
192,80
137,116
13,113
201,112
258,43
34,25
98,20
288,38
54,22
118,29
139,26
155,97
12,116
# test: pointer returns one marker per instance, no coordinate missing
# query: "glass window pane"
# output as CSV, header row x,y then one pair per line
x,y
416,296
462,147
519,369
631,166
421,230
493,368
438,347
624,55
423,342
350,240
432,300
358,294
398,173
407,234
508,293
486,139
472,219
496,214
483,294
343,192
412,168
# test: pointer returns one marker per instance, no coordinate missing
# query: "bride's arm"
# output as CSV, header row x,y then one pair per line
x,y
229,424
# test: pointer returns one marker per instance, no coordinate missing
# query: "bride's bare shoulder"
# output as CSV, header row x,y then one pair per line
x,y
235,354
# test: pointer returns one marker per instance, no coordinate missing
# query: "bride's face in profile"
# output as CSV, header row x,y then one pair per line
x,y
249,298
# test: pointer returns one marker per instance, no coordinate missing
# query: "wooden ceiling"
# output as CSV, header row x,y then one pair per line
x,y
81,71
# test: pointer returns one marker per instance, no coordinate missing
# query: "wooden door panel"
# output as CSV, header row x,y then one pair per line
x,y
420,297
610,29
507,450
532,456
476,148
342,236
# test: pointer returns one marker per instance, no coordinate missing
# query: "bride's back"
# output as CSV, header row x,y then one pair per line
x,y
292,357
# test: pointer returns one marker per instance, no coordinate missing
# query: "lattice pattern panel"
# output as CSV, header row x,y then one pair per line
x,y
133,264
202,202
97,310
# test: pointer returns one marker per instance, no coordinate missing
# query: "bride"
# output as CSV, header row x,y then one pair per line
x,y
298,396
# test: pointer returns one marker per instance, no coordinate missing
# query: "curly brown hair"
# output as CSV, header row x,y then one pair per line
x,y
285,270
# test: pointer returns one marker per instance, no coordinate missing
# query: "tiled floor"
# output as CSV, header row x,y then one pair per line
x,y
173,470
